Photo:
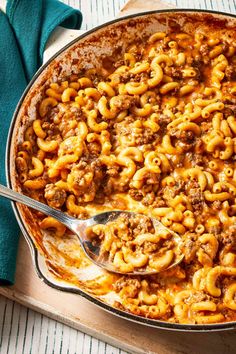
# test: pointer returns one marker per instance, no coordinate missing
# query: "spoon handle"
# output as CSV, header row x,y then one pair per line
x,y
17,197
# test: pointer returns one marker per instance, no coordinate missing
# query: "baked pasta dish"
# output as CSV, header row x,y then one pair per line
x,y
152,131
135,243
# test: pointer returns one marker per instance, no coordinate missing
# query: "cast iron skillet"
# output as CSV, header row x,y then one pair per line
x,y
110,32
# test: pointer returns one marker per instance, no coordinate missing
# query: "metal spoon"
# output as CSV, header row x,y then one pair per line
x,y
79,227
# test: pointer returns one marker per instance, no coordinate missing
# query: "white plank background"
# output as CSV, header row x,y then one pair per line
x,y
23,331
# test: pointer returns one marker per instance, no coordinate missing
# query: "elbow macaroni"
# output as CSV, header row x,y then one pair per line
x,y
155,134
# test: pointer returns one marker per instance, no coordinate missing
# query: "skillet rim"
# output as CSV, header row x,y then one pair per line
x,y
216,327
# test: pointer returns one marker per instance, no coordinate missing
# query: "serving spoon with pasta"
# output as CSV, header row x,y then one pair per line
x,y
137,264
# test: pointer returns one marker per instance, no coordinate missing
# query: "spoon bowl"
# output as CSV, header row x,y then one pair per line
x,y
80,227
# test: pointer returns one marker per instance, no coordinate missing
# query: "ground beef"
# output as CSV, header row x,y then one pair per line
x,y
206,127
229,110
230,100
173,72
86,178
51,128
190,246
197,297
204,49
139,77
159,202
136,194
140,135
124,77
147,137
164,120
113,171
230,106
123,102
196,159
54,196
195,195
77,113
94,148
215,230
140,224
199,74
148,199
151,179
132,284
149,247
228,238
179,187
187,137
155,100
108,187
197,64
230,72
199,146
173,191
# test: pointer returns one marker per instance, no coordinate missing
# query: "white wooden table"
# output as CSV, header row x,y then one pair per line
x,y
23,330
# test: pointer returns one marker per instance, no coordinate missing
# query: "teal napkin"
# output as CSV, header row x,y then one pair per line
x,y
24,31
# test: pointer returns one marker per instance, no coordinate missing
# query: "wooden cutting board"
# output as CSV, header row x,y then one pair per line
x,y
79,313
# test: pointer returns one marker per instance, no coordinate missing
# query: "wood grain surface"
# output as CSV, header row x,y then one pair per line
x,y
25,331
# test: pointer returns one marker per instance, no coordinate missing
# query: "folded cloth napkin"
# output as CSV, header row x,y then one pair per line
x,y
24,31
